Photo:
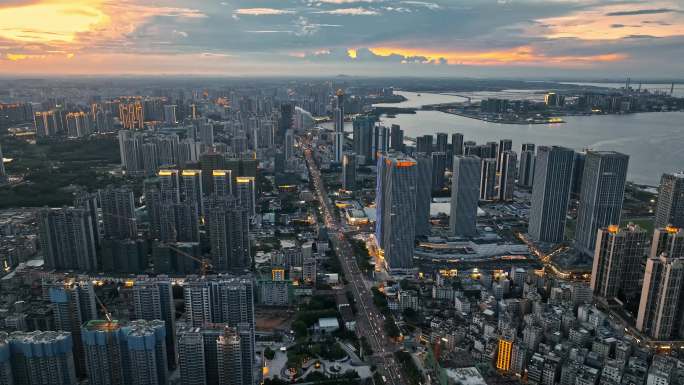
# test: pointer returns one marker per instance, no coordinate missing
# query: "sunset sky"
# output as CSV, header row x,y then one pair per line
x,y
527,38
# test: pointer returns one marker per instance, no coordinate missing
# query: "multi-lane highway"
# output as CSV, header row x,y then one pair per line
x,y
370,322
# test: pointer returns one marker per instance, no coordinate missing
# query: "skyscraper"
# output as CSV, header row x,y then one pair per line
x,y
397,209
41,357
618,257
3,175
338,120
550,193
227,300
229,358
223,183
191,359
488,180
286,121
104,357
670,209
423,193
88,201
153,300
442,142
206,133
396,138
424,144
146,352
526,169
439,165
363,137
73,304
506,175
289,144
118,212
464,196
380,144
229,235
660,310
245,191
67,239
191,189
457,144
349,172
603,189
504,145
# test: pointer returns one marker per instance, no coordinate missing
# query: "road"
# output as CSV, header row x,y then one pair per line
x,y
370,322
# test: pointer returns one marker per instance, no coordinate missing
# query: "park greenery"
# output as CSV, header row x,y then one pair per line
x,y
52,171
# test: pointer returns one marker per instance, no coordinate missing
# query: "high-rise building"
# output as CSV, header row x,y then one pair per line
x,y
67,239
488,180
670,209
3,175
41,357
457,144
504,145
423,193
289,144
527,164
603,190
397,208
170,117
229,358
118,212
145,342
153,300
349,172
380,144
73,304
191,359
338,120
578,171
286,121
6,376
464,196
88,201
442,142
191,189
424,144
363,137
550,193
490,150
206,133
439,166
396,138
229,235
223,183
506,175
104,356
503,358
78,124
618,258
169,186
227,300
210,161
217,354
660,310
245,192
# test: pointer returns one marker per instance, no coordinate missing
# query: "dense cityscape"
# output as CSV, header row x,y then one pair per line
x,y
341,192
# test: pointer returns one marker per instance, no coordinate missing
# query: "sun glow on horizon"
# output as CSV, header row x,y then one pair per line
x,y
27,23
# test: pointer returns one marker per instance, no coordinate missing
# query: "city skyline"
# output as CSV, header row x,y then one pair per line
x,y
559,39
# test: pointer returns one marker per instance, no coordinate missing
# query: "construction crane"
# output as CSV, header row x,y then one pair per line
x,y
107,313
205,264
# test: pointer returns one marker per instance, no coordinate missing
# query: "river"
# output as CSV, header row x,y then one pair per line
x,y
654,141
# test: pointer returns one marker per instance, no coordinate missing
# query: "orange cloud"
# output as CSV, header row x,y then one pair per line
x,y
76,24
524,55
612,22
